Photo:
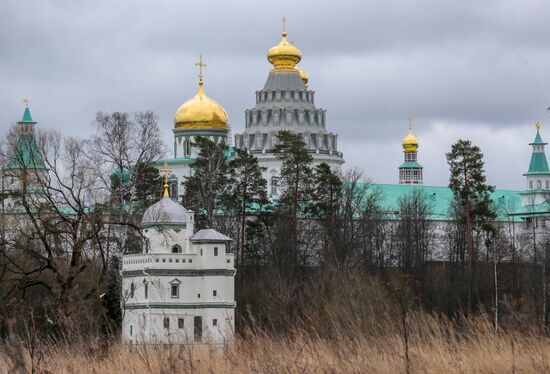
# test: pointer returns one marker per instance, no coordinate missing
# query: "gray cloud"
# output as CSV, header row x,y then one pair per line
x,y
463,69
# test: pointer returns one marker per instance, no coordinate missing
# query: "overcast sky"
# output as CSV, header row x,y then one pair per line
x,y
464,69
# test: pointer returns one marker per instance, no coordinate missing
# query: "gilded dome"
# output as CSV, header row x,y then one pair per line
x,y
284,56
304,76
410,143
200,112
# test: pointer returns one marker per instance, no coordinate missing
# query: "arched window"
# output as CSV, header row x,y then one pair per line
x,y
176,249
274,185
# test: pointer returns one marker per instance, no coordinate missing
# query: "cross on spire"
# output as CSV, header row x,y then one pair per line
x,y
201,65
537,125
410,119
284,24
26,102
165,171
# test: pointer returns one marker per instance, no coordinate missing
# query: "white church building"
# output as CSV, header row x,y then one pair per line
x,y
180,289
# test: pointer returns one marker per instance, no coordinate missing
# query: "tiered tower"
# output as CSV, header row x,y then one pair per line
x,y
180,289
199,116
410,171
286,103
538,175
25,170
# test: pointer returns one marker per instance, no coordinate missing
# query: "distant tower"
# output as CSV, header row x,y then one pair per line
x,y
180,289
410,171
538,175
286,103
198,116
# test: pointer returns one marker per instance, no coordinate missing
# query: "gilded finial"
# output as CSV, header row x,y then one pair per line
x,y
165,171
537,126
284,25
26,102
201,65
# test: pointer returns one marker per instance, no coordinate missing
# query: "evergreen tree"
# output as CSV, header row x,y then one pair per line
x,y
205,189
246,193
296,183
471,193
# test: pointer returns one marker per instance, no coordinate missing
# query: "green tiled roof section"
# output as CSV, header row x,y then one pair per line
x,y
412,165
27,116
538,164
439,198
538,139
26,154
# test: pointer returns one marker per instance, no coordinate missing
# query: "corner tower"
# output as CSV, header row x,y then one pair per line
x,y
538,175
410,171
286,103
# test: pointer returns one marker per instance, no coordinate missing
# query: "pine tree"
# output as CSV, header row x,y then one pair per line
x,y
471,193
296,183
246,193
204,190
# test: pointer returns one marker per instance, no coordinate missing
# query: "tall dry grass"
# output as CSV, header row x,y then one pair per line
x,y
436,345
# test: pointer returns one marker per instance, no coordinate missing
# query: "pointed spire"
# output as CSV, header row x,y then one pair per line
x,y
538,164
27,118
538,138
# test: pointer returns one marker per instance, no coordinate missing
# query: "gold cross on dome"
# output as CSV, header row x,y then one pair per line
x,y
200,65
410,119
537,125
284,23
165,171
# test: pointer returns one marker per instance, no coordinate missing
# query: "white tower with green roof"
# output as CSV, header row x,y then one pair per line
x,y
538,175
410,171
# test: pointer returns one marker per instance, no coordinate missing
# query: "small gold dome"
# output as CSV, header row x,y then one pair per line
x,y
200,112
304,76
284,56
410,143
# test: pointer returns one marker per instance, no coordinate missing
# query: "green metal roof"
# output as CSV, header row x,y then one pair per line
x,y
27,118
412,165
538,139
26,154
440,198
538,164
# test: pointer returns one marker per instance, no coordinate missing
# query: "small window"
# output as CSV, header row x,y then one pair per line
x,y
215,251
180,323
146,289
530,185
132,290
166,322
131,329
538,184
228,261
176,249
198,296
175,291
548,185
215,293
214,322
274,185
201,251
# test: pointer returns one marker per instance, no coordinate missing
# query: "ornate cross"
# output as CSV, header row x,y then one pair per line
x,y
165,171
537,125
410,119
200,65
284,23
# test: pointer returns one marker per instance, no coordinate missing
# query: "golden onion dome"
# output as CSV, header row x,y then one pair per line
x,y
410,143
200,112
284,56
304,76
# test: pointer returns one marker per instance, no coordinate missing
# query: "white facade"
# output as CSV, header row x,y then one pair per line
x,y
180,290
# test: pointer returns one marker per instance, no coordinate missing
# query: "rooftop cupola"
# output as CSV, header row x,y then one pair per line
x,y
538,164
285,55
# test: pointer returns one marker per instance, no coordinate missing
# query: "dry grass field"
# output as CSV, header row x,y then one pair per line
x,y
434,346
